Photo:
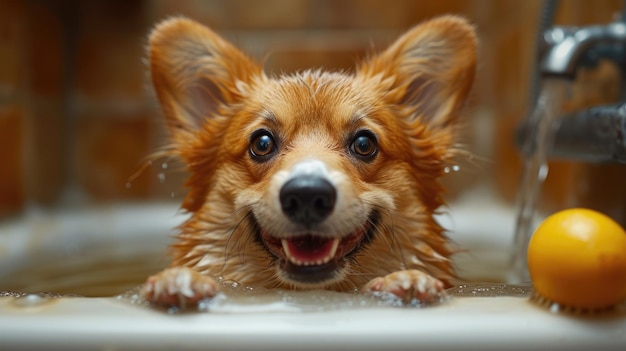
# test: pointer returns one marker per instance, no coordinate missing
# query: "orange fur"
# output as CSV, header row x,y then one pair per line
x,y
410,96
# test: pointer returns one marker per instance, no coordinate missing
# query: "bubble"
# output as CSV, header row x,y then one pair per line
x,y
31,300
133,296
161,177
543,172
173,310
231,284
490,290
450,169
554,307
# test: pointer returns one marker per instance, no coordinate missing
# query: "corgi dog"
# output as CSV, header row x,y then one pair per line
x,y
313,180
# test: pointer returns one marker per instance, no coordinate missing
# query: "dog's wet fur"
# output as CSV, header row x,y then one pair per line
x,y
314,180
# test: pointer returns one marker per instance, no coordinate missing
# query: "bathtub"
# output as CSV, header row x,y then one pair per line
x,y
99,253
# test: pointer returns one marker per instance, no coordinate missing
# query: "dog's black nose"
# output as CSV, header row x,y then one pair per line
x,y
307,199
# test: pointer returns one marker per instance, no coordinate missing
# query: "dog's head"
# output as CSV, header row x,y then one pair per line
x,y
314,179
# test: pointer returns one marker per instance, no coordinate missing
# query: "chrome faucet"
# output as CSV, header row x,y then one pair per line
x,y
597,134
567,47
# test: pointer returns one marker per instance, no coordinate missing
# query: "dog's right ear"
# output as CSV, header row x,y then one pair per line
x,y
195,74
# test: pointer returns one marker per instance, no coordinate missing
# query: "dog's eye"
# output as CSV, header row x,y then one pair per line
x,y
364,145
262,144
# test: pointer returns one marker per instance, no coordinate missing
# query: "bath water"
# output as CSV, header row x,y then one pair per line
x,y
236,298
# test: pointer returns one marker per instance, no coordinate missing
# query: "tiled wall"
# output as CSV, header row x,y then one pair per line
x,y
77,116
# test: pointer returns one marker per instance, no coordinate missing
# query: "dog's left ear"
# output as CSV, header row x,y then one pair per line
x,y
430,69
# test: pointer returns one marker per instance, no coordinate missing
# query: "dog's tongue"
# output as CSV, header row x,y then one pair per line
x,y
310,250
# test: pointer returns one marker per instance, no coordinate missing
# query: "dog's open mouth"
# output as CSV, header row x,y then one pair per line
x,y
311,258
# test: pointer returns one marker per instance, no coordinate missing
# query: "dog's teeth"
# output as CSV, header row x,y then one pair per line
x,y
298,262
285,245
333,251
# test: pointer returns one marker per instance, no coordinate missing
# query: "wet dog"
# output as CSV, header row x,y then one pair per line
x,y
315,180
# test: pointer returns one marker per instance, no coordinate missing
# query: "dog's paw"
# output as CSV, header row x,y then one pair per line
x,y
409,286
179,286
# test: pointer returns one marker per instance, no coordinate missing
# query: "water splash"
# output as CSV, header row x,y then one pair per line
x,y
536,147
490,290
450,169
237,298
27,300
31,300
161,177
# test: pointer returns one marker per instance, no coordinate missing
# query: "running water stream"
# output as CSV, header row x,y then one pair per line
x,y
536,147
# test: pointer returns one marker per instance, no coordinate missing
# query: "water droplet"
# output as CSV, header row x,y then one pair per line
x,y
543,172
555,308
490,290
204,305
173,310
133,297
453,168
161,177
164,165
227,283
31,300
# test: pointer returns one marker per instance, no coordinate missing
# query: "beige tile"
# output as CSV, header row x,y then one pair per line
x,y
213,13
109,67
12,197
13,22
45,51
47,138
270,13
582,12
289,61
109,150
511,71
387,14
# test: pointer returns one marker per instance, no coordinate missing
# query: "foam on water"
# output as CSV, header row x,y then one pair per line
x,y
235,298
490,290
